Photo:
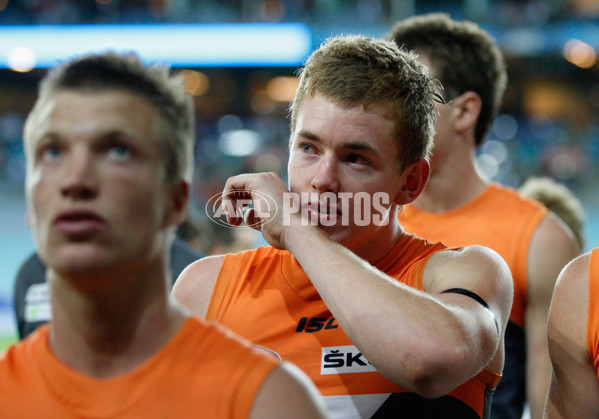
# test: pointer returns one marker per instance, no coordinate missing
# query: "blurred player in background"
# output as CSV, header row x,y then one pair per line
x,y
461,207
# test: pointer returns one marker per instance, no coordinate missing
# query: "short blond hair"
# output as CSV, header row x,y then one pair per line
x,y
558,199
357,70
125,71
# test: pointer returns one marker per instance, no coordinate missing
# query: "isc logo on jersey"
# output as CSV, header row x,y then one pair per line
x,y
343,360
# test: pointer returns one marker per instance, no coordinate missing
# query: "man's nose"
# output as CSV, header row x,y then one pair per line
x,y
79,176
326,177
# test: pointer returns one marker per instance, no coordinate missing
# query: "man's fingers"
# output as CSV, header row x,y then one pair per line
x,y
252,220
235,198
241,191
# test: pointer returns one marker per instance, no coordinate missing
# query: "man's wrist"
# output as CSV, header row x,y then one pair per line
x,y
299,231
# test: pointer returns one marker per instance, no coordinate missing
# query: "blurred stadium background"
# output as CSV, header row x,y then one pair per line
x,y
240,57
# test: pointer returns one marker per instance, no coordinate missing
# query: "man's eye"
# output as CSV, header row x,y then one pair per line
x,y
119,151
357,159
50,153
307,148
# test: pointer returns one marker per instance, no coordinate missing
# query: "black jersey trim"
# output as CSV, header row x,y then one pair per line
x,y
476,298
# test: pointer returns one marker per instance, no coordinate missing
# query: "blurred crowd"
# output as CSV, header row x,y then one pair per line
x,y
504,12
548,125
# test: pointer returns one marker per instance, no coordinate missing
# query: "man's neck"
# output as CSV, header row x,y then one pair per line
x,y
374,246
451,186
109,333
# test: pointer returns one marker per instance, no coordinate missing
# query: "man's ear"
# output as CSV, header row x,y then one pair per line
x,y
414,178
466,110
179,200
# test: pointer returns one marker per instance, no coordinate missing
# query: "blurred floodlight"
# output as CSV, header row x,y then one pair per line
x,y
262,103
196,82
185,45
229,123
505,127
239,143
580,53
282,89
565,166
496,149
21,59
488,164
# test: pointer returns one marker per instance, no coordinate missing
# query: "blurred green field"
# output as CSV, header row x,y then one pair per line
x,y
6,341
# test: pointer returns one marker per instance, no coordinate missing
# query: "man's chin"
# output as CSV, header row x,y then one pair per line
x,y
79,260
336,233
82,267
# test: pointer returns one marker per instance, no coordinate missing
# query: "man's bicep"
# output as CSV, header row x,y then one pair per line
x,y
574,386
480,272
485,302
552,246
194,287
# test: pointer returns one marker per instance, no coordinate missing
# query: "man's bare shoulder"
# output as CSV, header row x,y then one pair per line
x,y
202,266
474,259
573,391
475,254
553,243
567,325
288,392
552,247
570,296
567,322
474,268
195,284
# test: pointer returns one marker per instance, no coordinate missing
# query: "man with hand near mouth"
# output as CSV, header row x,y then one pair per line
x,y
385,323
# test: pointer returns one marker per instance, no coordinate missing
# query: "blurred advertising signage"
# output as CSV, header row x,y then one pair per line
x,y
184,45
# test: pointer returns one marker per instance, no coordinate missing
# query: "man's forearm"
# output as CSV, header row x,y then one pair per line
x,y
432,346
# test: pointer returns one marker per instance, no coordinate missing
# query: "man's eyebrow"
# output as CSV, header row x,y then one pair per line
x,y
45,137
360,146
115,134
309,135
353,145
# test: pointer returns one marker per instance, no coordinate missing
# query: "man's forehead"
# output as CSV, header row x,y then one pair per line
x,y
39,116
44,109
84,111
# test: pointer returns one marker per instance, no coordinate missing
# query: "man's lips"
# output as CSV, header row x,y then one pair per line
x,y
323,208
325,214
77,222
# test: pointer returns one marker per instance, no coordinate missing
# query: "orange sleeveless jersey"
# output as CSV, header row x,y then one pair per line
x,y
202,372
593,316
265,296
499,218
